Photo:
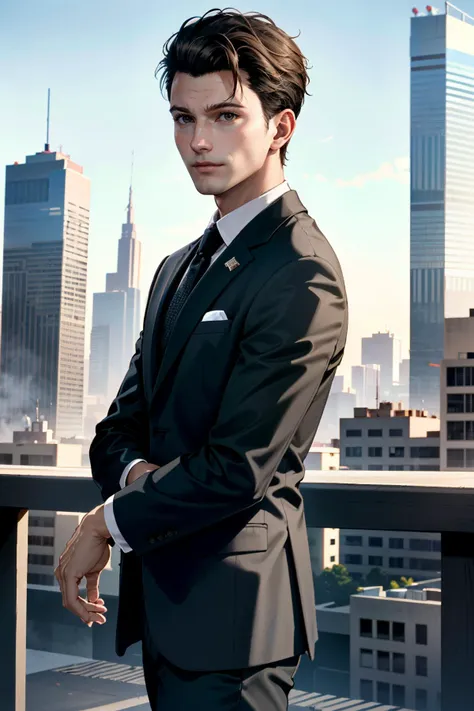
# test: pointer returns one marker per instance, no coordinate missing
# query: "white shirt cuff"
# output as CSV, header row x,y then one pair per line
x,y
123,478
111,524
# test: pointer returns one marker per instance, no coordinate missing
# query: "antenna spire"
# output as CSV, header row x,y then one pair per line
x,y
46,145
130,215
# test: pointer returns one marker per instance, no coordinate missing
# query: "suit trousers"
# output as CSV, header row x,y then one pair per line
x,y
261,688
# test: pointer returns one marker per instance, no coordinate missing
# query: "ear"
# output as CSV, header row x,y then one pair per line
x,y
284,127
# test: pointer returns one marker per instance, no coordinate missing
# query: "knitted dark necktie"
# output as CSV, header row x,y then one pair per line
x,y
210,243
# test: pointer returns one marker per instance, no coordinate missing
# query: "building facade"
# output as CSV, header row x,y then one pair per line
x,y
442,185
389,439
384,350
457,395
45,255
116,316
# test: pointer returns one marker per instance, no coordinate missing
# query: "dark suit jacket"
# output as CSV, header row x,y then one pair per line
x,y
220,549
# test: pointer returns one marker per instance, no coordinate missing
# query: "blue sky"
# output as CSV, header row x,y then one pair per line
x,y
348,159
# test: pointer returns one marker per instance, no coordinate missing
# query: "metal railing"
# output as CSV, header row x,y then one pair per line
x,y
438,502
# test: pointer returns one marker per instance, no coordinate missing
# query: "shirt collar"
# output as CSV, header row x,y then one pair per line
x,y
231,224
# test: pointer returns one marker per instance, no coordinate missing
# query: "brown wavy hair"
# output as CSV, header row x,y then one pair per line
x,y
232,40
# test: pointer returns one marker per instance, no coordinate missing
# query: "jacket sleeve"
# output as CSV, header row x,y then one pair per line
x,y
122,435
290,336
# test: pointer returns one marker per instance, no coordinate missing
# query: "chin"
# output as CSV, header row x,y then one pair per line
x,y
211,187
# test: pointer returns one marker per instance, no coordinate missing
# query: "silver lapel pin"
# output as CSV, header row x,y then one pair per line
x,y
232,264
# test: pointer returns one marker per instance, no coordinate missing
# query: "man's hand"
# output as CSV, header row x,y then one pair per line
x,y
86,555
138,469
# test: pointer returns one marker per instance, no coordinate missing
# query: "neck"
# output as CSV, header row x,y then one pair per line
x,y
249,189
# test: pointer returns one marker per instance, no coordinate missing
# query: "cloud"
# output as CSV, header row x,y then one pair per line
x,y
398,170
326,140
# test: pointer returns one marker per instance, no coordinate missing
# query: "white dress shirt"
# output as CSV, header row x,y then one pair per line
x,y
229,227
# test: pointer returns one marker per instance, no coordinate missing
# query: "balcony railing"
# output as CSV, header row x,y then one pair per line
x,y
438,502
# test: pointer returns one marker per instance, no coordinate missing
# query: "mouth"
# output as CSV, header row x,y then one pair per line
x,y
205,166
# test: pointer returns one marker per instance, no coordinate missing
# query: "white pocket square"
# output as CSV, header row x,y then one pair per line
x,y
215,316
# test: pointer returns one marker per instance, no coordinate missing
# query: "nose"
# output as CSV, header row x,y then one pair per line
x,y
200,140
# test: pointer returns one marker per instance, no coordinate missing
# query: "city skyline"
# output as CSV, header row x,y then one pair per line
x,y
351,144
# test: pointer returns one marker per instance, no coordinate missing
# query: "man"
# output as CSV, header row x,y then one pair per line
x,y
200,456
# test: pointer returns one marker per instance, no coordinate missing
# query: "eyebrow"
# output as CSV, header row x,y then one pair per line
x,y
210,108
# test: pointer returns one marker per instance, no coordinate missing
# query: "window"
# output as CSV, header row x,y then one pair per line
x,y
463,376
424,452
353,433
455,458
398,663
398,631
455,430
395,433
366,658
38,460
366,689
365,627
383,692
353,559
383,629
19,192
353,540
426,564
421,700
40,559
376,560
470,458
420,544
375,541
396,562
398,695
332,542
353,451
6,458
421,666
375,451
469,402
374,467
455,403
421,634
375,433
332,559
41,540
396,543
396,451
46,521
470,430
383,660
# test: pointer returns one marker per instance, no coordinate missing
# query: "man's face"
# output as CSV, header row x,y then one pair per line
x,y
234,137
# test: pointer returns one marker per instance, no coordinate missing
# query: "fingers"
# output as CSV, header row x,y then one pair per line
x,y
93,611
92,584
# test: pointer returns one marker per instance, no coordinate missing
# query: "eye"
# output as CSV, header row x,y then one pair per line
x,y
178,116
228,113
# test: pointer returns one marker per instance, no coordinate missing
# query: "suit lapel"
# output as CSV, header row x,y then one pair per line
x,y
259,230
173,266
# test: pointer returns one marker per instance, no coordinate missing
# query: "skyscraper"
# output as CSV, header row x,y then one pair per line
x,y
44,290
442,189
385,350
116,315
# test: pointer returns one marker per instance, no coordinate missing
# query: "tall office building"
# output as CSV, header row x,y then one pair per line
x,y
383,349
442,189
116,315
365,382
44,290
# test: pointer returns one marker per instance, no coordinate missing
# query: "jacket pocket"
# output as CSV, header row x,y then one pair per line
x,y
251,539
